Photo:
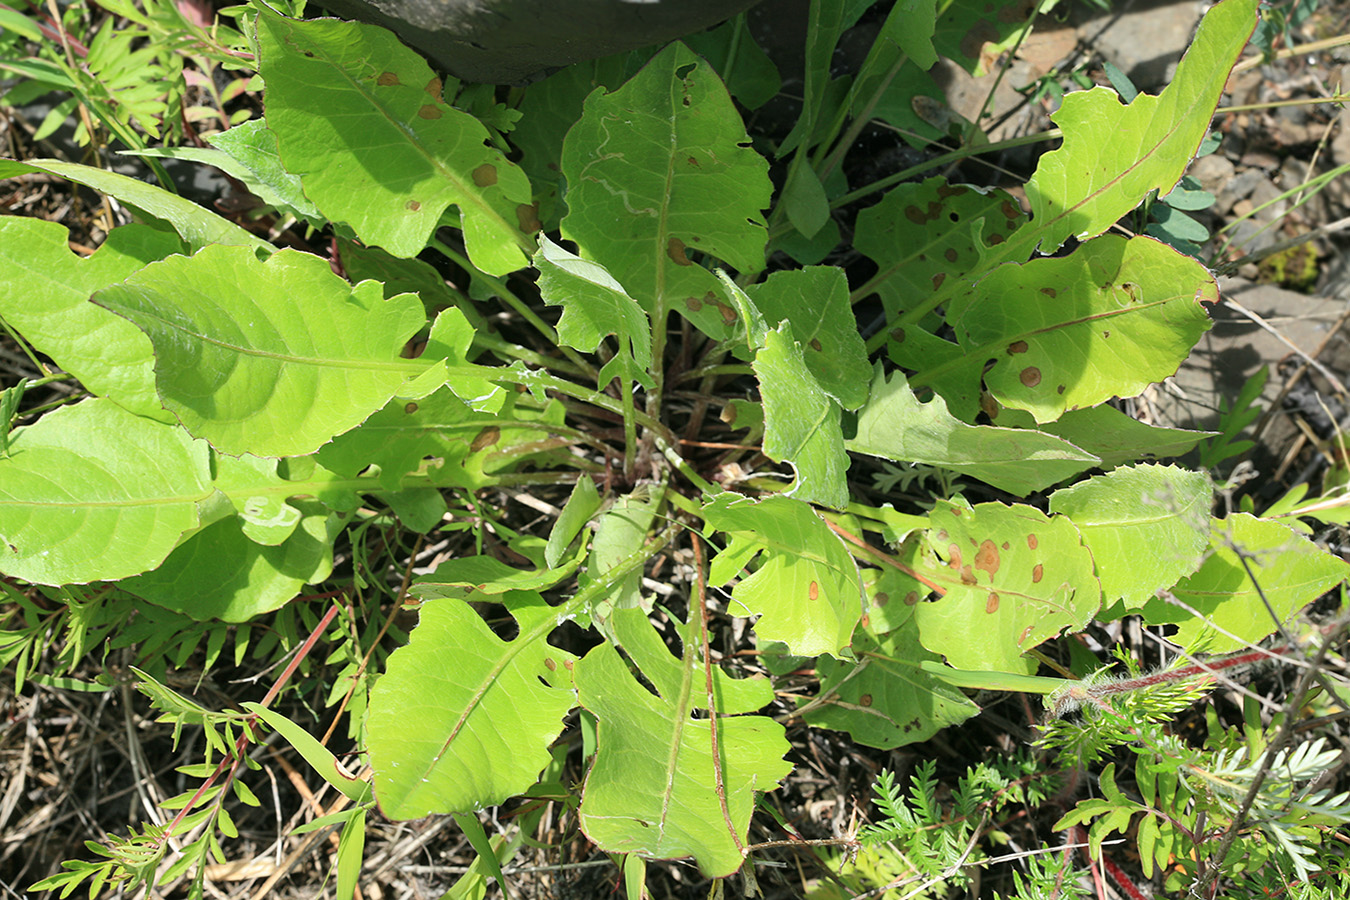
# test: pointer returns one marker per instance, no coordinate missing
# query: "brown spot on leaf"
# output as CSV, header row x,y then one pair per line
x,y
815,345
1030,376
527,216
1049,292
938,279
988,405
813,591
410,408
957,511
486,438
386,79
1106,334
950,254
991,604
412,205
987,558
898,335
1060,389
693,162
946,190
728,314
567,664
996,239
675,250
954,556
865,700
693,304
1017,347
866,620
550,664
1026,633
429,111
967,576
485,175
911,598
434,87
1009,209
1037,573
881,599
1006,545
1033,542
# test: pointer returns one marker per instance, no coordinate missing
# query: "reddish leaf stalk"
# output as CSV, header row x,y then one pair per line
x,y
702,598
230,766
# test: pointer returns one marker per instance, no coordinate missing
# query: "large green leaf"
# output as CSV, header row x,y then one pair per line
x,y
801,421
92,492
195,224
44,294
1146,526
221,573
923,233
359,117
815,301
657,170
462,719
806,589
653,788
890,700
1107,320
1114,155
1014,578
895,425
271,358
1225,603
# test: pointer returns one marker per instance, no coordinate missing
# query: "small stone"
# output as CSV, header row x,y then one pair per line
x,y
1213,171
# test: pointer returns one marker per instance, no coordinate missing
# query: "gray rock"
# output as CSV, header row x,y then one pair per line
x,y
1144,39
1213,172
508,41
